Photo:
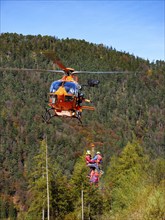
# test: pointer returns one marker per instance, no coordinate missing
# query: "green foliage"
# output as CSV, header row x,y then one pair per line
x,y
126,104
60,197
62,200
38,184
149,205
156,171
155,204
126,174
92,196
7,209
79,178
130,182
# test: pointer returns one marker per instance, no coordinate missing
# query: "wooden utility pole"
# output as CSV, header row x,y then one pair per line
x,y
43,210
82,204
43,214
47,180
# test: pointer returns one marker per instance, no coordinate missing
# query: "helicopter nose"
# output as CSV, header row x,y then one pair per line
x,y
61,92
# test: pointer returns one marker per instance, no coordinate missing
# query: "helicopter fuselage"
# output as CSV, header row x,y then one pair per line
x,y
66,97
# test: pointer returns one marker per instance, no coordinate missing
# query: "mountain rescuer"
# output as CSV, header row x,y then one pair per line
x,y
94,177
90,162
88,157
98,159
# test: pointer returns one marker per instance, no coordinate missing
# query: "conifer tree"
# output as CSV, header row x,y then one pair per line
x,y
126,175
92,201
59,189
38,184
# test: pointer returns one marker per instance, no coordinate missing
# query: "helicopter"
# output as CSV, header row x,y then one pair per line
x,y
66,98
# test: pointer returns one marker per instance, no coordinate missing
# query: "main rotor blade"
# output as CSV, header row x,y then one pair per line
x,y
101,72
32,70
63,72
52,56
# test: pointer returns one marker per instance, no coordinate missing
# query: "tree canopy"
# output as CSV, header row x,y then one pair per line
x,y
128,127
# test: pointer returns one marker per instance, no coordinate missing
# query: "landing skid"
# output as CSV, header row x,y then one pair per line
x,y
50,113
78,117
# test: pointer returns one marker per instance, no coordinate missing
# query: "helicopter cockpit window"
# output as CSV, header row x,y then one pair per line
x,y
55,86
71,88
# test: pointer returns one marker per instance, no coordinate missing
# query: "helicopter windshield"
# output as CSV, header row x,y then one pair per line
x,y
55,86
70,87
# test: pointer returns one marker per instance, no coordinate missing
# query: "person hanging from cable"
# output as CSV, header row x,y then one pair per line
x,y
98,160
94,177
91,163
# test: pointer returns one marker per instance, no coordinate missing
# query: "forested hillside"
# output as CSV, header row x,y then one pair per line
x,y
128,127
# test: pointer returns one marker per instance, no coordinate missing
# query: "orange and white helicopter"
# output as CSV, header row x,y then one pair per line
x,y
66,98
